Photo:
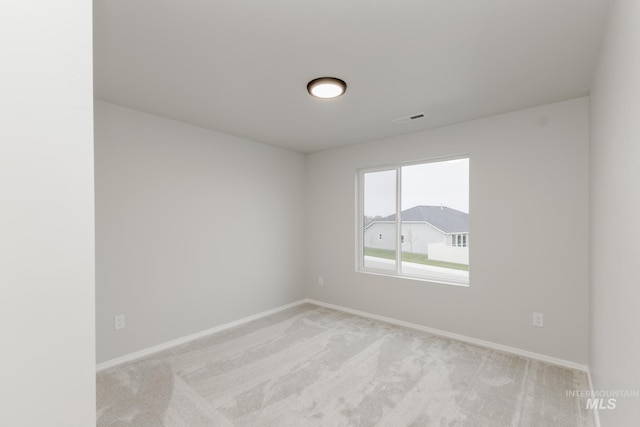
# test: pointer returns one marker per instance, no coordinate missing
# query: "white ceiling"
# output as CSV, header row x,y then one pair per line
x,y
241,67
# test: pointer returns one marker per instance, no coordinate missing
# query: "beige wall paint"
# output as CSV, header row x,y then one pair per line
x,y
194,229
615,210
46,215
528,220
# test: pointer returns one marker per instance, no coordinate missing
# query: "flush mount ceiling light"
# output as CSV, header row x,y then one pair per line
x,y
326,87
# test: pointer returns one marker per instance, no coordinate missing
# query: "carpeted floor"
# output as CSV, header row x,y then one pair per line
x,y
311,366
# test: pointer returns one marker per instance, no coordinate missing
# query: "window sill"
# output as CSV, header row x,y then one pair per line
x,y
444,281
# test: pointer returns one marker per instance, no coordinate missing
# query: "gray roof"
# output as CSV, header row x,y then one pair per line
x,y
443,218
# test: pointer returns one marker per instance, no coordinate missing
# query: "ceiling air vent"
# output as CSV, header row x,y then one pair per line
x,y
410,118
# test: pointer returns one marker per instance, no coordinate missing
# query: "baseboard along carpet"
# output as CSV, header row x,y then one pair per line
x,y
313,366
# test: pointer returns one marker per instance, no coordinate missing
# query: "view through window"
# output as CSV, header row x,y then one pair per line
x,y
415,220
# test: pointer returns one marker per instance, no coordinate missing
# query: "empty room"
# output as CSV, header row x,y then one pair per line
x,y
356,213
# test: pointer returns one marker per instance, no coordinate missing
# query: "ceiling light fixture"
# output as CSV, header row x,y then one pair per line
x,y
326,87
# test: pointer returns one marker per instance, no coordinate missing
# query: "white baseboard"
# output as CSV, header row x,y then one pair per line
x,y
173,343
488,344
475,341
596,414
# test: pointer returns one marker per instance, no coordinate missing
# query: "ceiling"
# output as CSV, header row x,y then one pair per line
x,y
241,67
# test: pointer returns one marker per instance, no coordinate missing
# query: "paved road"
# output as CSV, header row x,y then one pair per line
x,y
420,270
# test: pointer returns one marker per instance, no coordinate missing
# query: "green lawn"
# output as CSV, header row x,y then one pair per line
x,y
415,258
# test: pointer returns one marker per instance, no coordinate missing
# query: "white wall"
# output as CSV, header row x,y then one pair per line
x,y
423,235
46,214
372,236
529,185
444,252
194,229
615,213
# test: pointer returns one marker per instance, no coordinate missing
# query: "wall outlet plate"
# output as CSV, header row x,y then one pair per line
x,y
538,320
119,322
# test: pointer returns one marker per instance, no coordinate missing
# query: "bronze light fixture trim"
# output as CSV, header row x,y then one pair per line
x,y
326,87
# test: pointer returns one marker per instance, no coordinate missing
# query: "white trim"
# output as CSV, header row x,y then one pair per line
x,y
470,340
361,229
436,159
398,223
173,343
385,273
488,344
596,414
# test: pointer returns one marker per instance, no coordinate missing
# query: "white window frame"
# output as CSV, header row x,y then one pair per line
x,y
360,267
460,240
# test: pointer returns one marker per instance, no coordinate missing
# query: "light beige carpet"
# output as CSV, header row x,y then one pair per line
x,y
311,366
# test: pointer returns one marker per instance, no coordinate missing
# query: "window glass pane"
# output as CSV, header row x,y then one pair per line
x,y
435,215
380,231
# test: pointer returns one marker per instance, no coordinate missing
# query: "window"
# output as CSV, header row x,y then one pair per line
x,y
459,240
422,211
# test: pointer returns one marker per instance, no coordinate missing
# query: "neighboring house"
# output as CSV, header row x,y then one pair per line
x,y
426,230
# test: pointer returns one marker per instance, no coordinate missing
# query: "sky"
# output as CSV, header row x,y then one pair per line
x,y
439,183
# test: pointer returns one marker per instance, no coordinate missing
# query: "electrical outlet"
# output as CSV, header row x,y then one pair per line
x,y
538,320
119,322
320,280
